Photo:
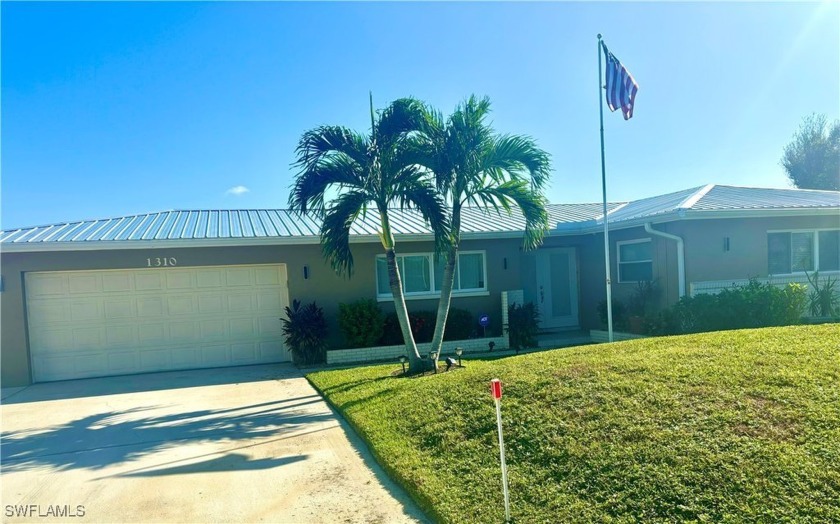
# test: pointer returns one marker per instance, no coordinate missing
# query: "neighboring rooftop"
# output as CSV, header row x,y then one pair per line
x,y
268,224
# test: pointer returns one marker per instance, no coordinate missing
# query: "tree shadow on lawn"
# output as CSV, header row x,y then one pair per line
x,y
114,437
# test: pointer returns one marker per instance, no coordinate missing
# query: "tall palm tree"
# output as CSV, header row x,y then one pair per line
x,y
365,172
474,165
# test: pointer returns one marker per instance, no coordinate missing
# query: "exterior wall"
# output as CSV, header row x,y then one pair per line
x,y
508,268
323,285
705,258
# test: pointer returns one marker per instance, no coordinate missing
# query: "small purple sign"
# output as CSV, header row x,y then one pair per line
x,y
484,320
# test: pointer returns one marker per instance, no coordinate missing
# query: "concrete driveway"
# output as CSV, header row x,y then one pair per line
x,y
249,444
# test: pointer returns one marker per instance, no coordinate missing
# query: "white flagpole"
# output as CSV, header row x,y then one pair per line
x,y
604,194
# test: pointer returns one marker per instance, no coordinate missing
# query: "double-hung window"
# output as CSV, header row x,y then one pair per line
x,y
796,251
635,260
422,277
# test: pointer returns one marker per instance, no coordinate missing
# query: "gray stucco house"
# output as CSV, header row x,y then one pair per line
x,y
190,289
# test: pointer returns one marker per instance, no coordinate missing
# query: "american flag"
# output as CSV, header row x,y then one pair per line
x,y
621,88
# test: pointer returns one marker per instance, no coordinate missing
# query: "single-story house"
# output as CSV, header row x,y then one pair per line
x,y
190,289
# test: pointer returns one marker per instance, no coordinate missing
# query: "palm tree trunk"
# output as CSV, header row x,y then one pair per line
x,y
415,361
447,282
414,358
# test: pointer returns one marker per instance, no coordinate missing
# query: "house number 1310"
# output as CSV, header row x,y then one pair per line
x,y
161,262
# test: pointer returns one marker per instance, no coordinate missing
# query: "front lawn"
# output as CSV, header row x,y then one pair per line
x,y
730,426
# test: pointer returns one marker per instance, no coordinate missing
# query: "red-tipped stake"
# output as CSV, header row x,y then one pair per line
x,y
496,390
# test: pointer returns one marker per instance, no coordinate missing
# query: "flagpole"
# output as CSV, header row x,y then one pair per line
x,y
604,194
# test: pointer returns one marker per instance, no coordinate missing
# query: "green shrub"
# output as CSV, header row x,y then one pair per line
x,y
305,331
523,325
422,327
619,314
748,306
460,325
361,322
823,298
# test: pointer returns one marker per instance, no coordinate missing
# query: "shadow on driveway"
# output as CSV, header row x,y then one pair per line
x,y
115,437
94,387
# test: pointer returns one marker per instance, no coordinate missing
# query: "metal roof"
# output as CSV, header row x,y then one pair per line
x,y
226,226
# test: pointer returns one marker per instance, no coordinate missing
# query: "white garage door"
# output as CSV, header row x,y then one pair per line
x,y
100,323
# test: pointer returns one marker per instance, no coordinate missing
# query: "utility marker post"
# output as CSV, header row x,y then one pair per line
x,y
496,389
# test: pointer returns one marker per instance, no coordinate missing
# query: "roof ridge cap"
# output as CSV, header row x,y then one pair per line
x,y
695,197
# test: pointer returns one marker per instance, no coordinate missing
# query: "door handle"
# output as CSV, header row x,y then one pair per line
x,y
542,295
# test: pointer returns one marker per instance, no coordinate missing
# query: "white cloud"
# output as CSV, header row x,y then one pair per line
x,y
237,191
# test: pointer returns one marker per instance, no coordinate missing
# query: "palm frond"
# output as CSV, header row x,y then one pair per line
x,y
412,192
530,203
402,116
335,230
519,157
318,143
310,186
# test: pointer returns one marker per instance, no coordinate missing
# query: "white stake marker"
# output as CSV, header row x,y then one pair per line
x,y
496,389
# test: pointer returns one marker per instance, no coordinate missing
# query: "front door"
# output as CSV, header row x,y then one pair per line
x,y
557,287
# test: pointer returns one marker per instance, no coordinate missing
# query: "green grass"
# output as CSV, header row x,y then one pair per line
x,y
738,426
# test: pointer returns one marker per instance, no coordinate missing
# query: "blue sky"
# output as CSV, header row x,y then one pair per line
x,y
111,109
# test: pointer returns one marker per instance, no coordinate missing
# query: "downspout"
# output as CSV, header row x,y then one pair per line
x,y
680,254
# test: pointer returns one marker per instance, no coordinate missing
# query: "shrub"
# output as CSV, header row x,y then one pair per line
x,y
523,324
305,331
822,299
619,314
749,306
460,325
422,327
361,322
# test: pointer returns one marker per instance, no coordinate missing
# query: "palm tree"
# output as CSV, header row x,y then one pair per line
x,y
365,172
474,165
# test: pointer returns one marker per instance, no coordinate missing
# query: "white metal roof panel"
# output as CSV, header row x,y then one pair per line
x,y
283,224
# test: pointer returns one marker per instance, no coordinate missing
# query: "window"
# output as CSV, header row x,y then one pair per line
x,y
422,277
796,251
635,261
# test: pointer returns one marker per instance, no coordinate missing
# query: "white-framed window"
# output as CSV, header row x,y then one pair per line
x,y
803,250
422,277
635,260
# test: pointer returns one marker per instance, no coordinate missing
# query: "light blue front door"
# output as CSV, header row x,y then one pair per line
x,y
557,287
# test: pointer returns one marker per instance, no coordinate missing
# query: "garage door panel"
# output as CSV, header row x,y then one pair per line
x,y
122,362
209,278
48,285
88,338
218,355
180,305
242,327
238,277
121,336
155,359
243,353
45,312
84,283
238,303
150,307
149,281
117,282
267,277
269,326
120,308
210,304
96,323
86,310
148,334
179,279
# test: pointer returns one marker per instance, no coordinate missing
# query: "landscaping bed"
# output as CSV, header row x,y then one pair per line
x,y
727,426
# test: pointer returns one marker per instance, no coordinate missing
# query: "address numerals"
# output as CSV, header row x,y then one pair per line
x,y
161,262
